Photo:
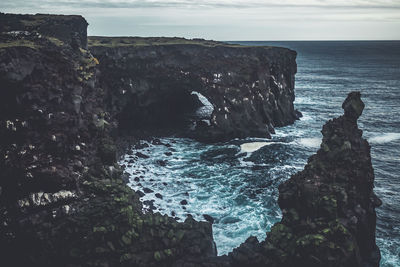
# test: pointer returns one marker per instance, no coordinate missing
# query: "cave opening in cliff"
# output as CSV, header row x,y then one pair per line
x,y
180,110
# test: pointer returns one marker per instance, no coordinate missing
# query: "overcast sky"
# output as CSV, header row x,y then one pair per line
x,y
229,19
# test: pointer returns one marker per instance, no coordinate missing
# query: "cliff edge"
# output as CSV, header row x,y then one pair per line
x,y
63,198
153,82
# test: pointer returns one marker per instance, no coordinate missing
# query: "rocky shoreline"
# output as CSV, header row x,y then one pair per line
x,y
63,109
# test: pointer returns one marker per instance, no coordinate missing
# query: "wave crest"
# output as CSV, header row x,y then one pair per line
x,y
384,138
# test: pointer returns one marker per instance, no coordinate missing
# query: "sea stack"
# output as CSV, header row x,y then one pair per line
x,y
329,207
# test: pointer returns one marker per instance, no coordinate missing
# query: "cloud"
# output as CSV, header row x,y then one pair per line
x,y
229,19
358,4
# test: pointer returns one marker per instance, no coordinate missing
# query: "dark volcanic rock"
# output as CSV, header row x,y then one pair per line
x,y
68,29
63,200
251,89
328,208
147,190
162,163
141,155
331,203
140,193
208,218
157,142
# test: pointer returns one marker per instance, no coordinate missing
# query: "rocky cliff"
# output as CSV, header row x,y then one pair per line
x,y
63,199
150,83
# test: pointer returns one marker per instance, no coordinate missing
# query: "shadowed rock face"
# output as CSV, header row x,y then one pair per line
x,y
251,88
64,201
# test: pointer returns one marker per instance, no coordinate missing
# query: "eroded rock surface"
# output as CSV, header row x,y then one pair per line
x,y
150,81
63,199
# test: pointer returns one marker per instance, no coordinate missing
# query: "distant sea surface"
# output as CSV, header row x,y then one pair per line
x,y
237,182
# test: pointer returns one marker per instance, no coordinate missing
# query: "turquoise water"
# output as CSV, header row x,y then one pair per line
x,y
236,183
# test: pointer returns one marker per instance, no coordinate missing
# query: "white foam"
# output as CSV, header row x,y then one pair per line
x,y
384,138
253,146
309,142
304,100
306,117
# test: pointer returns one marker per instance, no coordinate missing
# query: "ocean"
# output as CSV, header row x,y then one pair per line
x,y
237,182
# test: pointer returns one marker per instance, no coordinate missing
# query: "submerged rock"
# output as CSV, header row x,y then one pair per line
x,y
162,163
141,155
147,190
208,218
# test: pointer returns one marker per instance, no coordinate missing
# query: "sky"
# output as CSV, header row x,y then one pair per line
x,y
229,19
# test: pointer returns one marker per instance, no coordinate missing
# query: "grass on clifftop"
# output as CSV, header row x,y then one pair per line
x,y
149,41
18,43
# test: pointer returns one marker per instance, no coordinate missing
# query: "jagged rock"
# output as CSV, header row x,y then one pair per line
x,y
147,190
251,90
162,163
141,155
329,207
60,212
208,218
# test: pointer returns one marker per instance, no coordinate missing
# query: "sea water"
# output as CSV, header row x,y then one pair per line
x,y
236,182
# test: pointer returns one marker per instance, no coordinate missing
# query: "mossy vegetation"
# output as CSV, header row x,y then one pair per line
x,y
56,41
154,41
19,43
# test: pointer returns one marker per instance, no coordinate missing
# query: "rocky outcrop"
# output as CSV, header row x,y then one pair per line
x,y
68,29
150,81
63,199
328,208
334,197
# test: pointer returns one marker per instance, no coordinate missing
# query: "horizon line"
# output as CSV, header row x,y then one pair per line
x,y
288,40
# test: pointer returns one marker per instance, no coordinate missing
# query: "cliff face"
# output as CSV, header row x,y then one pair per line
x,y
63,199
150,81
